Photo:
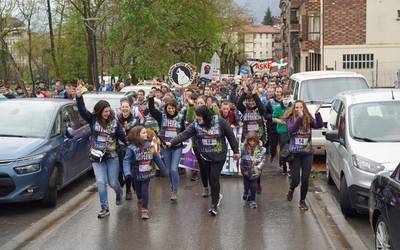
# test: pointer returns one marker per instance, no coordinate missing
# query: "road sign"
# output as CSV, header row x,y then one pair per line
x,y
181,74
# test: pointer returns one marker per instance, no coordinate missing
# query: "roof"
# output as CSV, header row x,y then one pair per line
x,y
324,74
370,95
13,22
260,29
105,94
54,101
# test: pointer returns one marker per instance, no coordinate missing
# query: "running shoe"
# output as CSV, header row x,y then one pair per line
x,y
118,200
303,206
174,197
206,192
213,211
128,196
253,204
145,214
103,213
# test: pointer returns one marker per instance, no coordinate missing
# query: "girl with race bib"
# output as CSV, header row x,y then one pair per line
x,y
300,122
171,123
251,158
140,155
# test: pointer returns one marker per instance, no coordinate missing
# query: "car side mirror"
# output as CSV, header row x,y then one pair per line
x,y
333,136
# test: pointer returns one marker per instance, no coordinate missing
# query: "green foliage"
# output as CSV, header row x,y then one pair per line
x,y
268,18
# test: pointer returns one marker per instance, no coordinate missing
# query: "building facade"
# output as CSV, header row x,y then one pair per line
x,y
17,32
259,41
352,35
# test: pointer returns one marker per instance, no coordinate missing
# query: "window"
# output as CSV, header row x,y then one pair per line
x,y
341,124
57,126
71,118
333,115
313,26
358,61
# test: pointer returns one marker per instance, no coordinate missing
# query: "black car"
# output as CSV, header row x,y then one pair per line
x,y
384,209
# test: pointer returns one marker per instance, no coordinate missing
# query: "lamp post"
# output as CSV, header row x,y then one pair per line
x,y
94,49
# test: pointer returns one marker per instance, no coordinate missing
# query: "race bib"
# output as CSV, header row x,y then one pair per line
x,y
300,141
170,134
209,142
252,127
101,138
144,168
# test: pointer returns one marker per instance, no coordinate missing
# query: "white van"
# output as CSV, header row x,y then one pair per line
x,y
318,87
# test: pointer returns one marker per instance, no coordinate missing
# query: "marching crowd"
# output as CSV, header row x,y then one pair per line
x,y
149,131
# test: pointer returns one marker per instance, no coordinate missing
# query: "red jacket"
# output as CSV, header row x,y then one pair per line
x,y
230,118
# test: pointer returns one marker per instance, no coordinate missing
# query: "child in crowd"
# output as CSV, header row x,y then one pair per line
x,y
252,156
140,154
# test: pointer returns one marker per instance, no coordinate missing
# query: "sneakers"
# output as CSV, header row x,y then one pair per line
x,y
289,195
303,206
253,204
128,196
220,199
103,213
145,214
213,211
206,192
195,176
174,197
118,199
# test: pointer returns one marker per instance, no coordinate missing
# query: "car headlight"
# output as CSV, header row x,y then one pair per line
x,y
31,158
27,169
367,165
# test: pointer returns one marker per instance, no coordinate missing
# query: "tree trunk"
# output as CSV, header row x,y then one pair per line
x,y
30,49
52,44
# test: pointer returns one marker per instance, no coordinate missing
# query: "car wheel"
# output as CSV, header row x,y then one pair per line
x,y
50,198
382,236
345,201
329,179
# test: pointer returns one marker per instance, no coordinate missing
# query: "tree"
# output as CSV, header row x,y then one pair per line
x,y
27,9
51,37
268,18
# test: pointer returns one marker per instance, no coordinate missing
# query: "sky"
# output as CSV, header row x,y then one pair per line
x,y
257,8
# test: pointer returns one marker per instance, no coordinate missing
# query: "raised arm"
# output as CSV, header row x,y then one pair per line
x,y
86,115
317,122
240,105
155,113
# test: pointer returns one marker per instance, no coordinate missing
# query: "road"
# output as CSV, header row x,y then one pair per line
x,y
15,218
360,223
275,224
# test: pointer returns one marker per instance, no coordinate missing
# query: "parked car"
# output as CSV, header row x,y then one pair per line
x,y
384,209
363,138
134,89
114,98
44,145
320,87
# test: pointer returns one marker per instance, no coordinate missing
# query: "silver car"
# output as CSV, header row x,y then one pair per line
x,y
362,139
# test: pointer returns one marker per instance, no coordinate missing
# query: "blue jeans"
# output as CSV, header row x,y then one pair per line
x,y
106,172
172,158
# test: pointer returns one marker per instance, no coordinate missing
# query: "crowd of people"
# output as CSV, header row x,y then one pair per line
x,y
148,132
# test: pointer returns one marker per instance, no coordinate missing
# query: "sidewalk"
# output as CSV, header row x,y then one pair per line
x,y
275,224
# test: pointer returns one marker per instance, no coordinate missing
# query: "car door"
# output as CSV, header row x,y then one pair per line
x,y
82,134
332,148
70,144
393,209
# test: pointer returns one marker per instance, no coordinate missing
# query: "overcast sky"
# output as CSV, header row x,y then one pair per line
x,y
257,8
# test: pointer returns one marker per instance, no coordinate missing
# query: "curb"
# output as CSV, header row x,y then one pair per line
x,y
51,221
334,225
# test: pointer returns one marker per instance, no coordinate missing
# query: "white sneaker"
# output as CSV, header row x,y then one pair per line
x,y
220,198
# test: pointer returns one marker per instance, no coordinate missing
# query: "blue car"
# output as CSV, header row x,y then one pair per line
x,y
44,146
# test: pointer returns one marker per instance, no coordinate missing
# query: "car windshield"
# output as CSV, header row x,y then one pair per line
x,y
378,122
90,101
326,89
25,119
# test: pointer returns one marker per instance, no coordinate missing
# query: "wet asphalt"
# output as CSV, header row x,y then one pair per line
x,y
275,224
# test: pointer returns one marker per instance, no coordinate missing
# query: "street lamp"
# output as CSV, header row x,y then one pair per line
x,y
94,49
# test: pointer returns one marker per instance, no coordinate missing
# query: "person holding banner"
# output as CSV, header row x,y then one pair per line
x,y
210,132
171,123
